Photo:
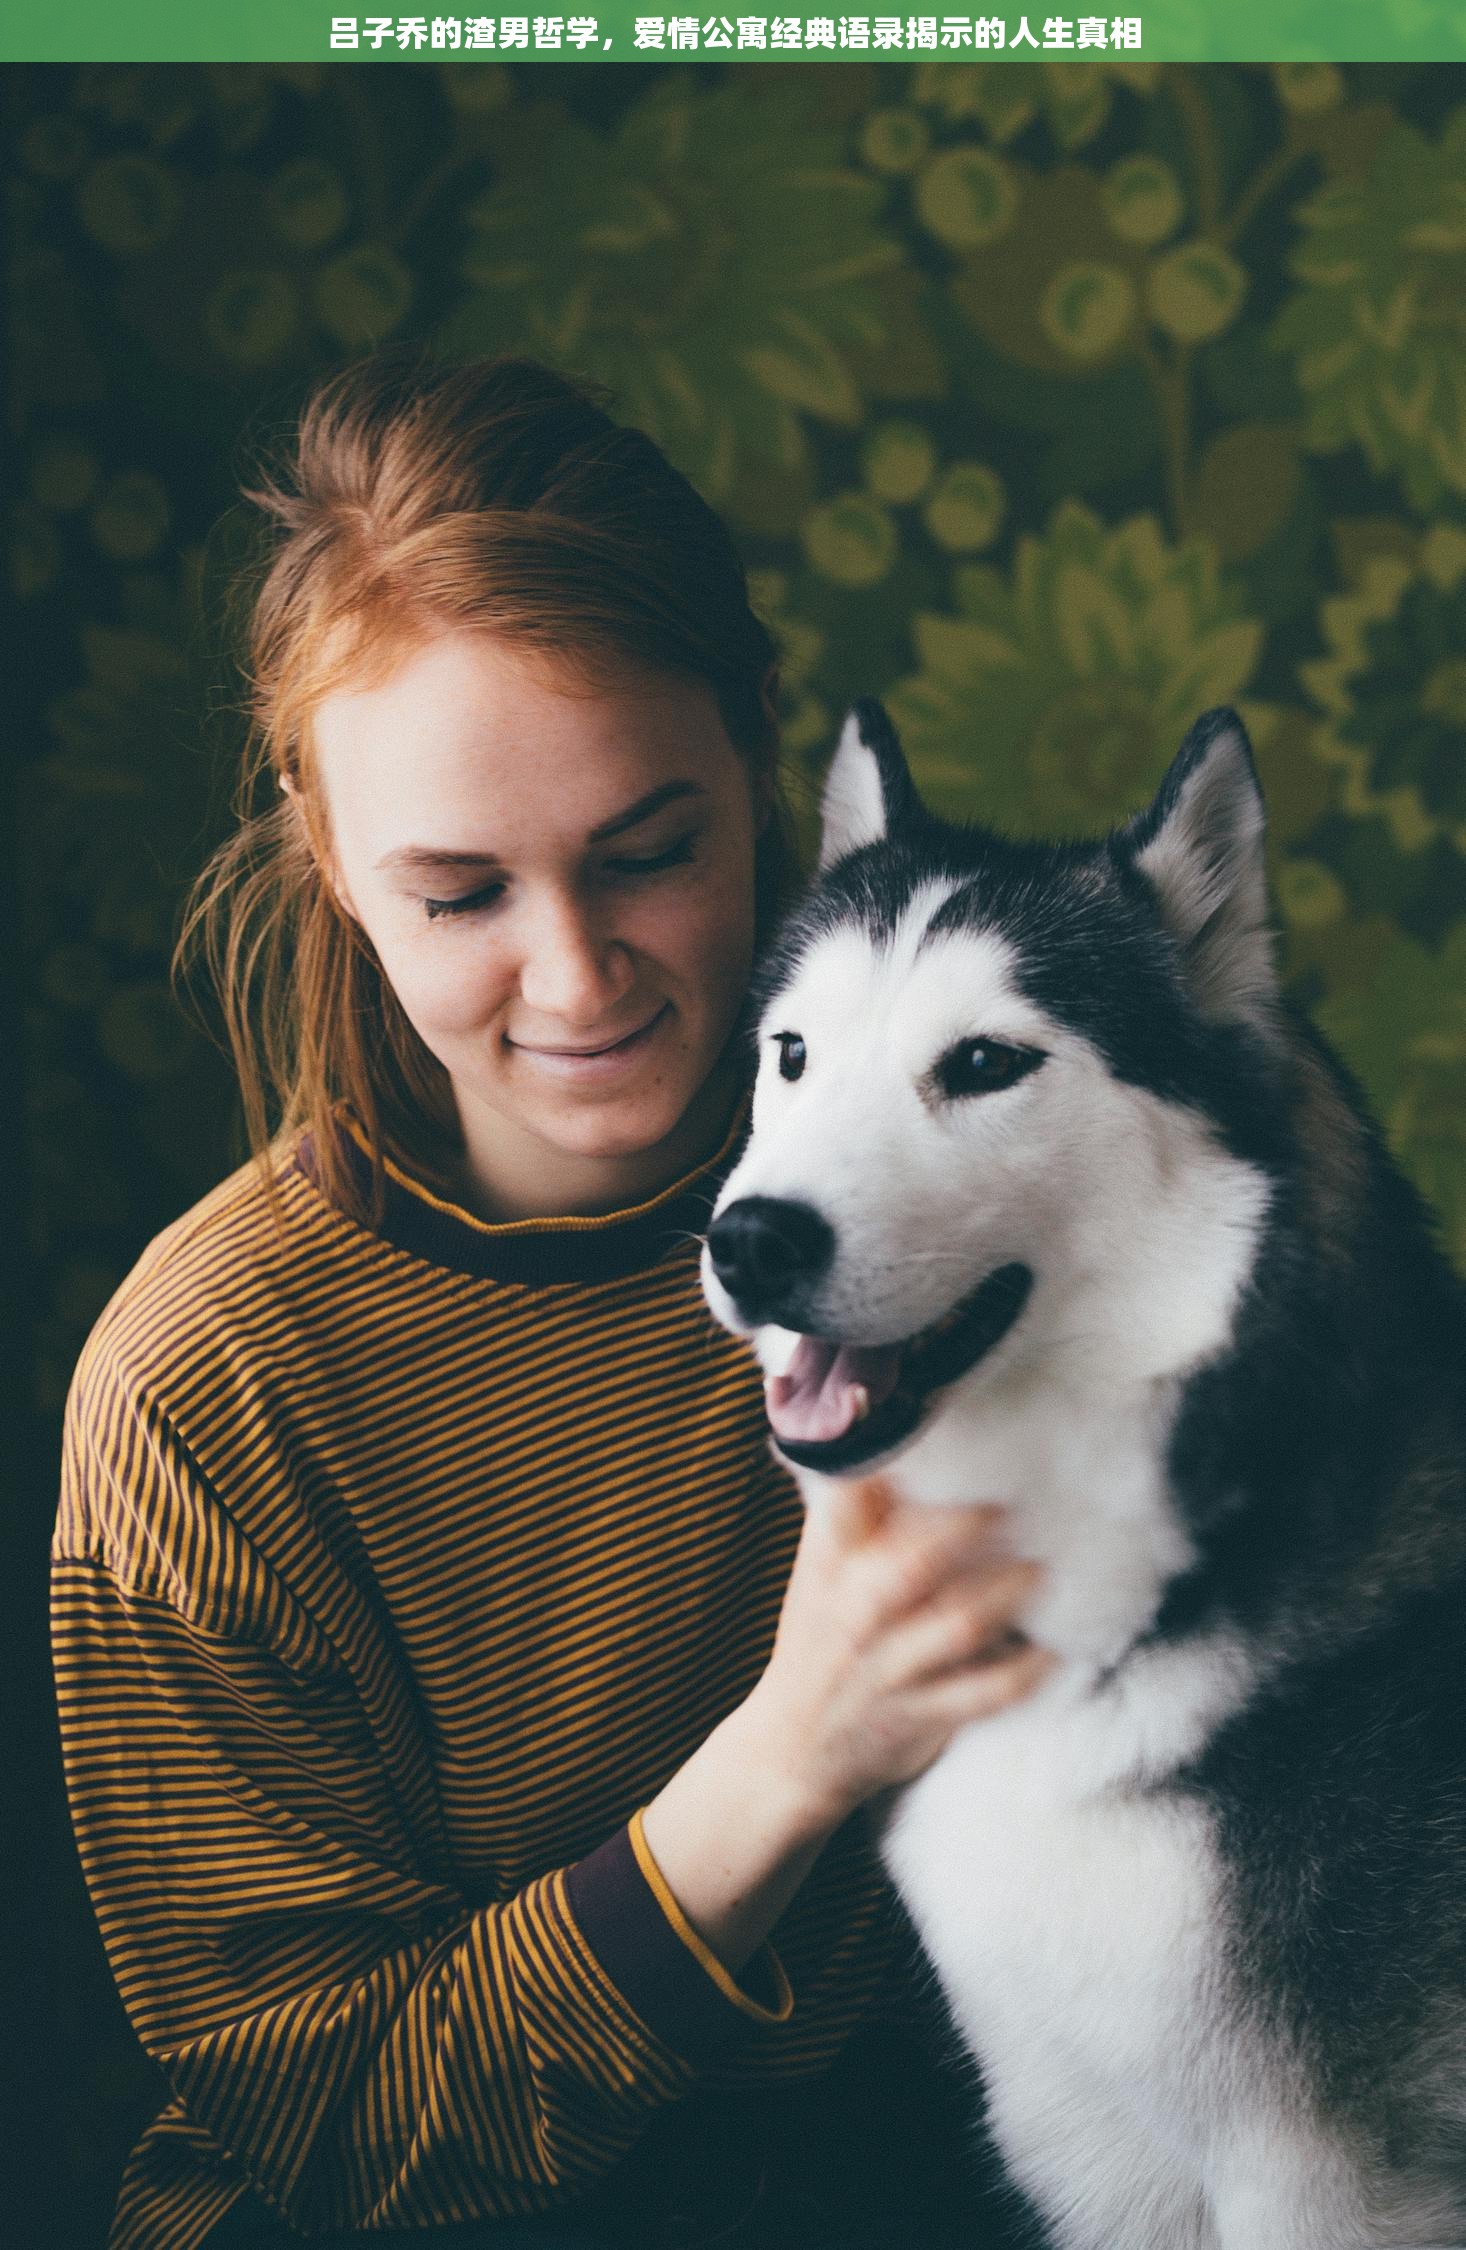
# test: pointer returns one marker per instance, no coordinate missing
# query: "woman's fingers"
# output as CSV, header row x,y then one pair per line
x,y
922,1551
899,1625
867,1509
988,1687
963,1626
858,1510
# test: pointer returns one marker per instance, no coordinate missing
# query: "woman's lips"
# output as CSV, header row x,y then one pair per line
x,y
596,1062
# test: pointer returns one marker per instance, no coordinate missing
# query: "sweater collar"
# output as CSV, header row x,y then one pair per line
x,y
419,1219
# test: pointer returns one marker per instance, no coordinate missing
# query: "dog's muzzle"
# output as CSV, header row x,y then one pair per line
x,y
839,1405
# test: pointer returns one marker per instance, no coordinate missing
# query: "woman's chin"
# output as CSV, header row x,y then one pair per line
x,y
645,1126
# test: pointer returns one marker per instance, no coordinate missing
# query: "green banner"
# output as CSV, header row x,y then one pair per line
x,y
301,30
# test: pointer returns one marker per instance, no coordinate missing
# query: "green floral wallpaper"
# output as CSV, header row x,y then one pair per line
x,y
1051,400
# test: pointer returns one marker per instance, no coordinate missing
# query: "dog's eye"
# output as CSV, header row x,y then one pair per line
x,y
984,1066
791,1054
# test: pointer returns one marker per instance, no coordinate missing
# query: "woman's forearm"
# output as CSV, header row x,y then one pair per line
x,y
734,1836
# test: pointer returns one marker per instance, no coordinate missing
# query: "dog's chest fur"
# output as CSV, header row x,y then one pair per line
x,y
1071,1905
1074,1927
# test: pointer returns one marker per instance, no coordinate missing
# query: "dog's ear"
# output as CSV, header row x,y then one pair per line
x,y
868,789
1200,845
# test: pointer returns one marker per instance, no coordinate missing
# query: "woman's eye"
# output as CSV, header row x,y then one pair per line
x,y
470,903
677,854
792,1054
984,1066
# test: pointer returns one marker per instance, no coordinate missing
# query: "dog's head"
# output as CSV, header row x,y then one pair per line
x,y
1015,1102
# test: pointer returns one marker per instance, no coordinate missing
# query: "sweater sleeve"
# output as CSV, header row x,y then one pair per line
x,y
363,2043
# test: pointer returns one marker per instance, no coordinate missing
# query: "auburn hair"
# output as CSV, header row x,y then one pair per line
x,y
419,497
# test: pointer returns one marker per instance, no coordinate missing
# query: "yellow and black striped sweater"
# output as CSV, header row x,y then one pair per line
x,y
395,1570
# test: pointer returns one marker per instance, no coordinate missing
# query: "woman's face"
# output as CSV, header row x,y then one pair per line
x,y
558,881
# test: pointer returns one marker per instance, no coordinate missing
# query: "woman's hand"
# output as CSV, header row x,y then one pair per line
x,y
898,1627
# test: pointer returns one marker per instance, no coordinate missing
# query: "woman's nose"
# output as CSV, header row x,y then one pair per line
x,y
574,968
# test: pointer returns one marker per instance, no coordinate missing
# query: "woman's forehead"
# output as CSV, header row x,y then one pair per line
x,y
468,733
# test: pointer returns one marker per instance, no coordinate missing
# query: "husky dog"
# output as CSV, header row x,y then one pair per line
x,y
1050,1199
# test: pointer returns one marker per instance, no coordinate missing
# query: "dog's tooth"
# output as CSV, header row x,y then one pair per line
x,y
860,1400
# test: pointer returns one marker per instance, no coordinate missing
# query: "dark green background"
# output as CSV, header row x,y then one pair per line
x,y
1052,401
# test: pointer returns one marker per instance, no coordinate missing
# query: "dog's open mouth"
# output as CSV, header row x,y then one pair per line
x,y
840,1405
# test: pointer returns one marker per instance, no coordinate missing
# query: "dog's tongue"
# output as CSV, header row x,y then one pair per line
x,y
829,1387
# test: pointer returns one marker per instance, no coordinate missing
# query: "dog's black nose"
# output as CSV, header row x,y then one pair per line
x,y
763,1248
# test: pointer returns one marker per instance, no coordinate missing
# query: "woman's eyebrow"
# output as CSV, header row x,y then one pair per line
x,y
669,794
432,855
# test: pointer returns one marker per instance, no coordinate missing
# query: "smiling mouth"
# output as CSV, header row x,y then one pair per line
x,y
838,1406
587,1054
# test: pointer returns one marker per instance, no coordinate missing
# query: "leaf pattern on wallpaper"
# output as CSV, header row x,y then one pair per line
x,y
1053,695
714,257
1377,332
1394,687
1401,1019
1071,94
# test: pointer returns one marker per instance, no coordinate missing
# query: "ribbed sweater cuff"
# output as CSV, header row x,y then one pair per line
x,y
651,1953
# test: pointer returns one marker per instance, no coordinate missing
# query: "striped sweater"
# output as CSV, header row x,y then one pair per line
x,y
395,1570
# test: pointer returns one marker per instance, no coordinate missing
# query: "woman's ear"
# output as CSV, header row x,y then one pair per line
x,y
318,852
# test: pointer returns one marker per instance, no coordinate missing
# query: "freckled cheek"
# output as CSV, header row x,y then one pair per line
x,y
448,989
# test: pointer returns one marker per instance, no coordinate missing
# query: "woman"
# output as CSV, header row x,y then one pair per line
x,y
445,1730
